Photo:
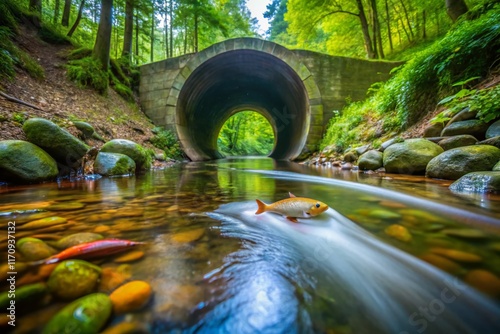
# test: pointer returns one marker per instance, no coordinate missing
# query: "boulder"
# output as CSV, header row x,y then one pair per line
x,y
351,156
495,141
85,128
135,151
463,115
110,164
370,160
59,143
457,141
22,161
459,161
473,127
493,130
497,167
433,130
390,142
410,156
478,182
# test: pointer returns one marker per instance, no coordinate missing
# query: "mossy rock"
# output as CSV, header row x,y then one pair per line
x,y
33,249
459,161
110,164
370,160
22,161
478,182
85,128
59,143
73,278
473,127
26,296
410,156
135,151
457,141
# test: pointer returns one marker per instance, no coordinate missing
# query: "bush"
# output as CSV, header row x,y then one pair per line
x,y
165,140
88,72
52,36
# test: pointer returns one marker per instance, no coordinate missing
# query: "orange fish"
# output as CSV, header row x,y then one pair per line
x,y
92,249
293,207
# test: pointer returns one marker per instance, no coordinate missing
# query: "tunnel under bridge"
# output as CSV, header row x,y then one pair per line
x,y
297,91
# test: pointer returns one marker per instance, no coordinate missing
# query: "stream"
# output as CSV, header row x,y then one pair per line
x,y
392,254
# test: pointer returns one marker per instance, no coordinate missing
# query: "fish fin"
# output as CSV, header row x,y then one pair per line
x,y
292,219
261,206
291,195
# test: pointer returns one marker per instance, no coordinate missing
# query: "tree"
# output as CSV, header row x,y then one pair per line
x,y
78,19
57,9
455,8
129,29
275,14
103,40
66,13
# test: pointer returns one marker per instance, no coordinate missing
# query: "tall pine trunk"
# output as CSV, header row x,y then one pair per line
x,y
57,11
171,9
152,35
103,40
389,34
455,8
78,18
129,29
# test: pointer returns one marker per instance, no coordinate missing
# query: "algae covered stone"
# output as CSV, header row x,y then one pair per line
x,y
86,315
22,161
131,149
455,163
77,238
410,156
110,164
33,249
371,160
24,295
73,278
59,143
478,182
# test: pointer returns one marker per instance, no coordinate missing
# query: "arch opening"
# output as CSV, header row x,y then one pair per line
x,y
242,80
246,133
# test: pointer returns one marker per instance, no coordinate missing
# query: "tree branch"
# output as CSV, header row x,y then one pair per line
x,y
13,99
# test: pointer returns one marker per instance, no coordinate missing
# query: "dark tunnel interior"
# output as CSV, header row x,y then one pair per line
x,y
242,80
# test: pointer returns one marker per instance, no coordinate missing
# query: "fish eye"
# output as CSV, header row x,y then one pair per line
x,y
317,205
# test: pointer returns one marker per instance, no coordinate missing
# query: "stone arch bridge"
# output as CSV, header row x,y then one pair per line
x,y
296,90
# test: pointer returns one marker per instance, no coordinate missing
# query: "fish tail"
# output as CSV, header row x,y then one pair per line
x,y
262,207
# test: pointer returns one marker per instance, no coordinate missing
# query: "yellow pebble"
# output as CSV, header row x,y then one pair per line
x,y
130,297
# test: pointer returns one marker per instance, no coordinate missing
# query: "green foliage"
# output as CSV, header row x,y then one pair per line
x,y
79,53
19,118
10,14
52,36
11,56
165,140
246,133
88,72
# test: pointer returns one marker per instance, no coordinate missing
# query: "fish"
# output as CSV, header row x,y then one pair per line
x,y
293,207
91,249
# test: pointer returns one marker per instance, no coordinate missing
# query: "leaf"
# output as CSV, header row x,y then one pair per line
x,y
446,99
464,82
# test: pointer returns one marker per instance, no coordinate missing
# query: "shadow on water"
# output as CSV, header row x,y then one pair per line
x,y
288,278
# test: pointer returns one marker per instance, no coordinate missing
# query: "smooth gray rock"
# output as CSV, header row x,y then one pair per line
x,y
433,130
457,162
495,141
110,164
59,143
410,156
24,162
463,115
493,130
478,182
473,127
371,160
457,141
390,142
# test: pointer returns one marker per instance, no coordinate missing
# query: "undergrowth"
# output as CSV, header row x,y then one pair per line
x,y
468,50
87,72
165,140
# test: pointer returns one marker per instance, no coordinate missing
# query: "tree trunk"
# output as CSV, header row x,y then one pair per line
x,y
57,11
78,18
365,30
36,7
455,8
408,22
152,46
171,9
196,33
66,13
165,32
376,28
389,34
424,22
129,29
103,41
136,37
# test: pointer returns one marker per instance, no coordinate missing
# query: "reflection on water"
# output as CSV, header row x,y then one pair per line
x,y
221,268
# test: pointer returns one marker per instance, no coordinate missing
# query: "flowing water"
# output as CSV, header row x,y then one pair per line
x,y
393,254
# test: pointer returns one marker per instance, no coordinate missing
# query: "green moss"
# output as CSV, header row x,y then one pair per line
x,y
52,36
11,14
79,53
87,72
165,140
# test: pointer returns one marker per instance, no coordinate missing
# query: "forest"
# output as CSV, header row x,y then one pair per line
x,y
112,37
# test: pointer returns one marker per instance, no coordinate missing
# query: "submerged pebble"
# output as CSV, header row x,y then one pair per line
x,y
442,263
77,238
131,296
33,249
188,236
457,255
43,223
129,257
66,206
484,281
398,232
464,233
73,278
85,315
